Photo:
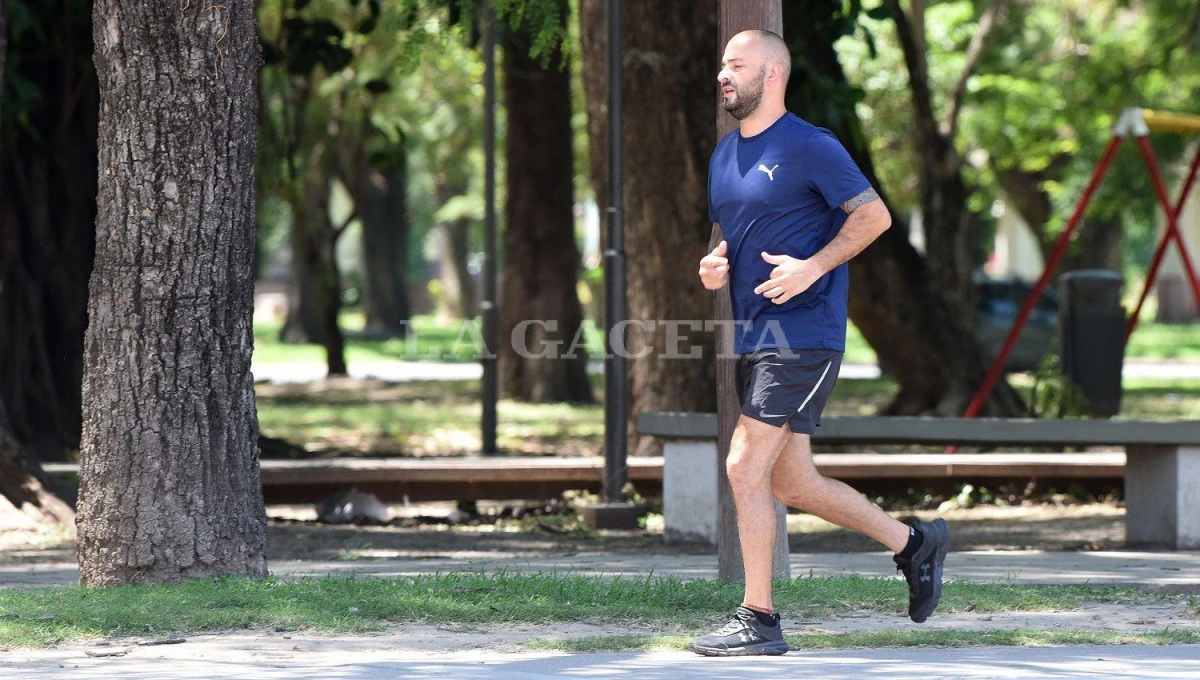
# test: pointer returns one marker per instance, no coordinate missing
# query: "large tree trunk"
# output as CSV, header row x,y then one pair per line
x,y
919,323
169,474
457,300
47,224
669,86
385,226
541,315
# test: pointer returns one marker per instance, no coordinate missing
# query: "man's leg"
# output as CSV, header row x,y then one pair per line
x,y
753,451
754,629
920,550
796,482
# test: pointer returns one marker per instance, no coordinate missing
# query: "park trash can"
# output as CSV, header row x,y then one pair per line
x,y
1092,337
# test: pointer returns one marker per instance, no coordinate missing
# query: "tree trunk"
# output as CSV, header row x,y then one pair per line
x,y
922,332
457,300
669,78
315,290
169,474
541,316
47,229
385,226
315,293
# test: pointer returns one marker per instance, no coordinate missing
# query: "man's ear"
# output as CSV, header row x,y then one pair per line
x,y
775,72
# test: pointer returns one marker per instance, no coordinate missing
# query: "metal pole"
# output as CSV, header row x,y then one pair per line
x,y
1172,228
997,367
1152,273
491,384
615,440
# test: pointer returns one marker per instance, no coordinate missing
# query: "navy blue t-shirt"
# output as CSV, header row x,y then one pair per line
x,y
781,192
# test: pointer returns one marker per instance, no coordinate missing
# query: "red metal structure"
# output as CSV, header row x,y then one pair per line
x,y
1135,123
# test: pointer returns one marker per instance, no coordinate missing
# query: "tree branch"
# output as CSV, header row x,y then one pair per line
x,y
992,16
337,231
911,32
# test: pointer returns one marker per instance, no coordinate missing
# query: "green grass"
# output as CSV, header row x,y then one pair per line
x,y
40,617
424,417
887,638
1165,341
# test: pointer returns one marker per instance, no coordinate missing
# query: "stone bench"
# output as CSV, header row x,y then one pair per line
x,y
1161,463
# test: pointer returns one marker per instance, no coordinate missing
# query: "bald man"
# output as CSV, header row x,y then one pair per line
x,y
793,209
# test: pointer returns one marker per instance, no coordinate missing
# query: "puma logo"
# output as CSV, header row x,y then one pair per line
x,y
770,173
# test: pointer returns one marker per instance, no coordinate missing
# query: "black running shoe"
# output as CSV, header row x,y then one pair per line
x,y
744,635
924,570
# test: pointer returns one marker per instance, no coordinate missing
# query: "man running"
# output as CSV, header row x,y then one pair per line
x,y
793,208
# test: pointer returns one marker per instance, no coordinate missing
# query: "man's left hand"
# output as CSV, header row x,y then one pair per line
x,y
789,278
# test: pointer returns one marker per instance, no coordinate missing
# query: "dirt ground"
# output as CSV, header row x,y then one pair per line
x,y
424,532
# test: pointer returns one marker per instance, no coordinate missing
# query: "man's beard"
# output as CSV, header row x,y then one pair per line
x,y
745,102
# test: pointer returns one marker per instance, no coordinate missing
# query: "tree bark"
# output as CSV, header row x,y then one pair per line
x,y
912,310
385,226
540,316
169,473
669,78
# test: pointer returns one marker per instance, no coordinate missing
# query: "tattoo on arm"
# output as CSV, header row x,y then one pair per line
x,y
859,201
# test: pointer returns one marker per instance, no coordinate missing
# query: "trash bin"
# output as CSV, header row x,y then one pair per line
x,y
1092,337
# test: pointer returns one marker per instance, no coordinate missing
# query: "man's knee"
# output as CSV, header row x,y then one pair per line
x,y
745,472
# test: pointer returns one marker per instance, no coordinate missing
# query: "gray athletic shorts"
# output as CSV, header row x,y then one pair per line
x,y
778,386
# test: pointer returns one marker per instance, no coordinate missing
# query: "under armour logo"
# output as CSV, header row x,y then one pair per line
x,y
747,636
770,173
924,572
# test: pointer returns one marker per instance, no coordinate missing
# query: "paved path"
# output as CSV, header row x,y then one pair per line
x,y
250,658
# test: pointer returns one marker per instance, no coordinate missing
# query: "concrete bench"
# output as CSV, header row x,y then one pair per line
x,y
1161,463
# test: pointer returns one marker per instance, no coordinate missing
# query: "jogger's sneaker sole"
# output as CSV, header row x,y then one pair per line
x,y
772,648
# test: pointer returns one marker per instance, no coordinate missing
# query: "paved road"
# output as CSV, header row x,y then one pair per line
x,y
219,657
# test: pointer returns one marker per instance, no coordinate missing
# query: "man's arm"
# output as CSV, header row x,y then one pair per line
x,y
868,218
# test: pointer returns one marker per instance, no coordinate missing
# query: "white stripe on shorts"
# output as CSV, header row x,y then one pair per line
x,y
815,387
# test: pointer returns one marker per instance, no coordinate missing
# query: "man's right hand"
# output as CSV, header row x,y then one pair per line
x,y
714,268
